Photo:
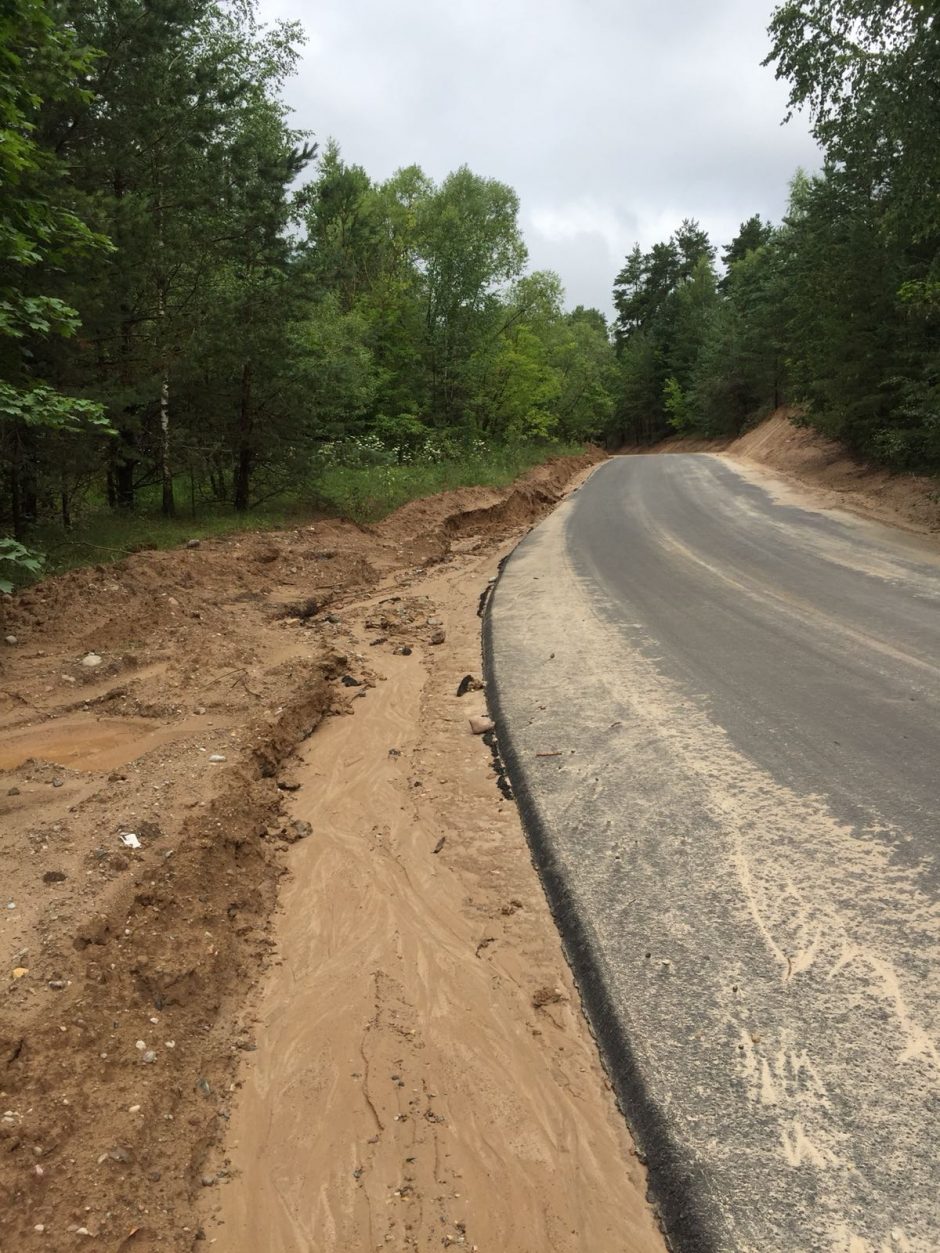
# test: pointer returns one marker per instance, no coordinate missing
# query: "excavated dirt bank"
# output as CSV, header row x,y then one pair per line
x,y
149,806
837,480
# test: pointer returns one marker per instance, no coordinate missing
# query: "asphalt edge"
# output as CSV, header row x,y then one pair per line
x,y
689,1221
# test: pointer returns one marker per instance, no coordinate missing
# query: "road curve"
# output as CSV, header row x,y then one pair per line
x,y
720,710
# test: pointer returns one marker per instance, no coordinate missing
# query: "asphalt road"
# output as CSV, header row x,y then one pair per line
x,y
720,710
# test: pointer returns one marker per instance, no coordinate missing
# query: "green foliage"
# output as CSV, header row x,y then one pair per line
x,y
664,299
267,324
17,561
835,310
367,494
867,71
40,65
677,409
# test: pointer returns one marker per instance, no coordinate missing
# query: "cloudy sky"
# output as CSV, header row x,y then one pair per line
x,y
612,119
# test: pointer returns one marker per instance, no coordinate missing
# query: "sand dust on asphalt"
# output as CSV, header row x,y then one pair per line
x,y
823,472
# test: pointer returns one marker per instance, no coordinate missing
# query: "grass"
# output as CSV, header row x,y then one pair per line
x,y
371,493
364,494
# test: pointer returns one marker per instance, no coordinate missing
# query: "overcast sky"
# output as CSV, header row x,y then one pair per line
x,y
612,119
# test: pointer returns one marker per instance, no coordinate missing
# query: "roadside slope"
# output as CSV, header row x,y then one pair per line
x,y
824,467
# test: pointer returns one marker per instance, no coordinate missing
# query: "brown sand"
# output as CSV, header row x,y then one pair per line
x,y
142,986
423,1075
837,480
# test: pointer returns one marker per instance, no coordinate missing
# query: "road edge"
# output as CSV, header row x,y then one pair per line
x,y
689,1221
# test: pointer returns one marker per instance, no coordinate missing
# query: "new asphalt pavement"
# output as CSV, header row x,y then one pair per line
x,y
720,709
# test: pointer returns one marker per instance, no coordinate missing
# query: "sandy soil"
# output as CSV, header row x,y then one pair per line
x,y
805,459
397,1059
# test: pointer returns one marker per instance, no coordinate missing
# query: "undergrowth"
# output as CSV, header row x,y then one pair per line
x,y
364,493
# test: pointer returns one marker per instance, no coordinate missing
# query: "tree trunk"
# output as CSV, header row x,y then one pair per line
x,y
64,503
243,462
123,473
166,476
169,504
16,507
124,461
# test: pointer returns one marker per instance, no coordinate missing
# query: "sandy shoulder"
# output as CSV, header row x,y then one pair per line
x,y
423,1073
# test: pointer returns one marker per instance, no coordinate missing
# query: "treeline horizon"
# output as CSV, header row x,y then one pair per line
x,y
201,307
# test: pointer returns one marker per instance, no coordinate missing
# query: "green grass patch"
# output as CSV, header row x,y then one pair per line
x,y
370,493
362,493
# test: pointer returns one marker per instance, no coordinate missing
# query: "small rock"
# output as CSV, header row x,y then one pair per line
x,y
58,782
194,543
154,1176
299,830
204,1086
57,985
547,996
200,710
208,1181
331,617
348,681
402,651
435,621
91,660
13,791
119,1154
468,684
54,876
438,637
480,724
148,1057
217,757
11,640
288,785
20,972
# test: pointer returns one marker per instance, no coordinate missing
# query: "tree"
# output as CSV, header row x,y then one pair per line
x,y
38,229
663,299
753,234
470,247
868,70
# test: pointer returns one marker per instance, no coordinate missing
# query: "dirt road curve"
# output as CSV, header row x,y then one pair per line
x,y
720,710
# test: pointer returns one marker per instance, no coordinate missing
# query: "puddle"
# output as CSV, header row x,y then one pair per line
x,y
84,742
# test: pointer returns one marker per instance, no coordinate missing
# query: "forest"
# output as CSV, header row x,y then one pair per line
x,y
836,309
206,314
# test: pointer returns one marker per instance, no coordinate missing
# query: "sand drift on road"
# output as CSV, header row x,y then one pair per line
x,y
719,708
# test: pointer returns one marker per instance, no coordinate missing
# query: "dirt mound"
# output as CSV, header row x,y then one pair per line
x,y
800,453
148,711
482,510
839,480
